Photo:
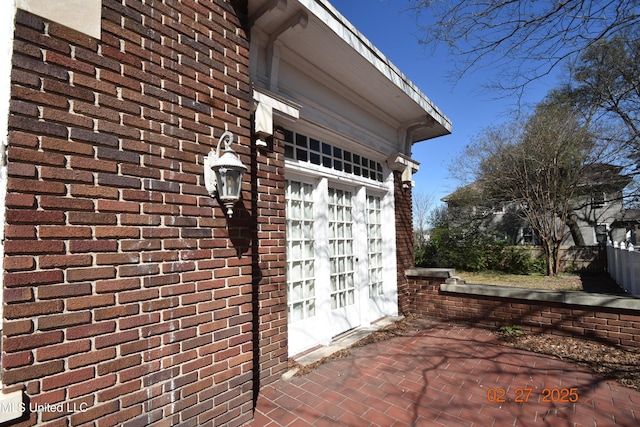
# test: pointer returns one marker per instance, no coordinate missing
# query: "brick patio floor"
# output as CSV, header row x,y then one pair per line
x,y
446,375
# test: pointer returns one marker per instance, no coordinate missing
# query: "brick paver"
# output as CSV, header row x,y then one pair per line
x,y
447,375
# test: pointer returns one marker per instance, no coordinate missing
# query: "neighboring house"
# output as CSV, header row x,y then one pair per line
x,y
630,222
130,298
599,210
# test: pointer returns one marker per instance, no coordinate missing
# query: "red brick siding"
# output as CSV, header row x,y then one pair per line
x,y
404,233
615,326
271,292
126,289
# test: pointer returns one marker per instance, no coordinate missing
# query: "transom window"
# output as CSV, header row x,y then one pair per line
x,y
305,149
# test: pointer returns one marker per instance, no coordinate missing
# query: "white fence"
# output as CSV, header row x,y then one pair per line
x,y
624,266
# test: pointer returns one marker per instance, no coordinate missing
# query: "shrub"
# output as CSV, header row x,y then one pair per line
x,y
518,261
465,244
477,254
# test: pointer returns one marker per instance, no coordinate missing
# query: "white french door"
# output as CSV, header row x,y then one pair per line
x,y
345,307
341,271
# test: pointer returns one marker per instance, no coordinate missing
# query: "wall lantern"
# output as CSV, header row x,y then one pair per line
x,y
223,173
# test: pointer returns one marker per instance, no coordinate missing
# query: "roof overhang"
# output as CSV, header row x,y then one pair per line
x,y
334,47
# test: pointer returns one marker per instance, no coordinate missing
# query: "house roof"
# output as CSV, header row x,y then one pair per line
x,y
475,188
330,44
628,217
606,176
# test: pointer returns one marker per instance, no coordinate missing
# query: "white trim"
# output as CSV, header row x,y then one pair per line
x,y
80,15
311,170
277,103
12,405
400,163
361,252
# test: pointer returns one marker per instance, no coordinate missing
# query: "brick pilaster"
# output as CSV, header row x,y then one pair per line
x,y
128,293
270,278
404,235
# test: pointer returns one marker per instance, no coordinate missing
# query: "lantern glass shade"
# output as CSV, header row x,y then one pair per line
x,y
229,184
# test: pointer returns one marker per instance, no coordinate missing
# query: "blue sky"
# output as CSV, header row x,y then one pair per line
x,y
467,103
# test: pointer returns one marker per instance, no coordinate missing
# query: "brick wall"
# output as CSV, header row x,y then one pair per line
x,y
424,298
270,274
127,292
404,231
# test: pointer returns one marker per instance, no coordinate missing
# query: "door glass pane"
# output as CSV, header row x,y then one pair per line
x,y
374,228
301,293
341,248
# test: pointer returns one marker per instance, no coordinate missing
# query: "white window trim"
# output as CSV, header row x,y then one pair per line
x,y
311,170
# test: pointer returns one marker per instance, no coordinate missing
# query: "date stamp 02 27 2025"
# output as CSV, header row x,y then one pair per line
x,y
522,395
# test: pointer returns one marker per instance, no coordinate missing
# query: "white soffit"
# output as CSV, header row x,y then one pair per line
x,y
362,47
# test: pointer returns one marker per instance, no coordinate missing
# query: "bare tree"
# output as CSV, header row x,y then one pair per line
x,y
523,39
422,204
605,85
540,170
